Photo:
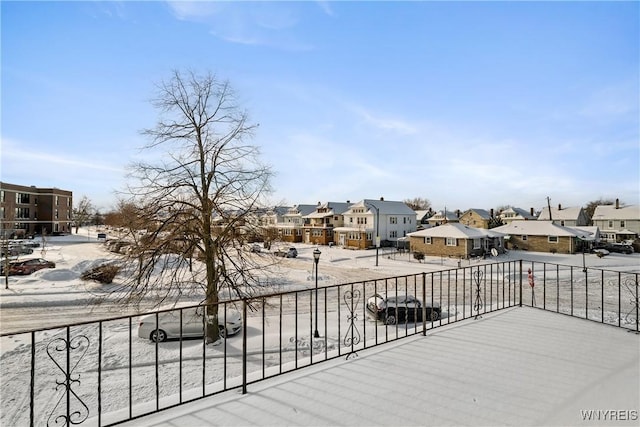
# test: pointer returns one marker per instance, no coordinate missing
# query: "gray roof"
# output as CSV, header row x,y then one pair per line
x,y
537,228
386,207
483,213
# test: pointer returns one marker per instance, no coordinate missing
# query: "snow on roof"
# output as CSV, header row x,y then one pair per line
x,y
537,228
440,215
422,214
456,230
604,212
570,213
302,210
518,211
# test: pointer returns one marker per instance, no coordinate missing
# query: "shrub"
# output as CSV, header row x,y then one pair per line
x,y
419,256
102,273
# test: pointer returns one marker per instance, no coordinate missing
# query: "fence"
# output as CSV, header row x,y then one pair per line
x,y
103,373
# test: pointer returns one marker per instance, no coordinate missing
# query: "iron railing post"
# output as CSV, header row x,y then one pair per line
x,y
33,378
244,345
520,303
424,304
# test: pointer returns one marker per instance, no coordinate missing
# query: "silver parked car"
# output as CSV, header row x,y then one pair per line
x,y
192,324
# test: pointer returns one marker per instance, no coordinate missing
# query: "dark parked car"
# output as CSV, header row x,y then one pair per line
x,y
619,248
392,309
29,266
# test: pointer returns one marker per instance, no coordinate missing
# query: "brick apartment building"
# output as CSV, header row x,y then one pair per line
x,y
29,210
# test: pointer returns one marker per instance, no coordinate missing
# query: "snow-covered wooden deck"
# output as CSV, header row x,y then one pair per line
x,y
518,367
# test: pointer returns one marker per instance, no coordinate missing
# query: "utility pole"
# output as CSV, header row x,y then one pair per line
x,y
549,207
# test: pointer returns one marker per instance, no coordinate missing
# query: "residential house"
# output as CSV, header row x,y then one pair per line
x,y
370,223
319,225
569,217
422,218
516,214
542,236
269,222
292,226
617,223
29,210
443,217
479,218
456,240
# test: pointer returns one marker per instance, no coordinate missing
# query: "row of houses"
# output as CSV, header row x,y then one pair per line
x,y
370,223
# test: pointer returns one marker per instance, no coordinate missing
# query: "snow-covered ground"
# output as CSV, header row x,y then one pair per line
x,y
58,297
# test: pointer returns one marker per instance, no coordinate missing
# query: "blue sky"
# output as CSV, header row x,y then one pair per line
x,y
467,104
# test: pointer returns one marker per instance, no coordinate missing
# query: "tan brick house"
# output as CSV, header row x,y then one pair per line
x,y
455,240
541,236
319,225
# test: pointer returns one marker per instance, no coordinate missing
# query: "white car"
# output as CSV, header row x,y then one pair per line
x,y
192,324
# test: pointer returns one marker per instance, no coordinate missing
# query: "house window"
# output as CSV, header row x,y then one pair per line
x,y
476,243
427,240
452,241
22,198
621,223
524,237
552,239
610,224
562,223
393,220
393,234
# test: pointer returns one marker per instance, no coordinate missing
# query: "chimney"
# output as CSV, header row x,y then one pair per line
x,y
491,213
617,203
559,207
458,213
382,199
531,210
348,201
318,203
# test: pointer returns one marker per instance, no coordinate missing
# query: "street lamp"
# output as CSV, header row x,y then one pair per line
x,y
377,229
316,258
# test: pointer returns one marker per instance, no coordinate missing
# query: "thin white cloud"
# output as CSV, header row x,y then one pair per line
x,y
387,124
16,158
269,24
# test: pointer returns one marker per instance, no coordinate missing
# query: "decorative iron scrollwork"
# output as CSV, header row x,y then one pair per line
x,y
478,304
352,336
632,315
61,347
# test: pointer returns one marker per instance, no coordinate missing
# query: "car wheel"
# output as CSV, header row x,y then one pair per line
x,y
160,337
222,331
434,315
390,319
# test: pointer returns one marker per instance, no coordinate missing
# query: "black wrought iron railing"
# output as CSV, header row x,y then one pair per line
x,y
600,295
109,371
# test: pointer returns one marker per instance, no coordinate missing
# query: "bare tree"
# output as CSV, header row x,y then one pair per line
x,y
204,182
83,212
418,203
590,207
